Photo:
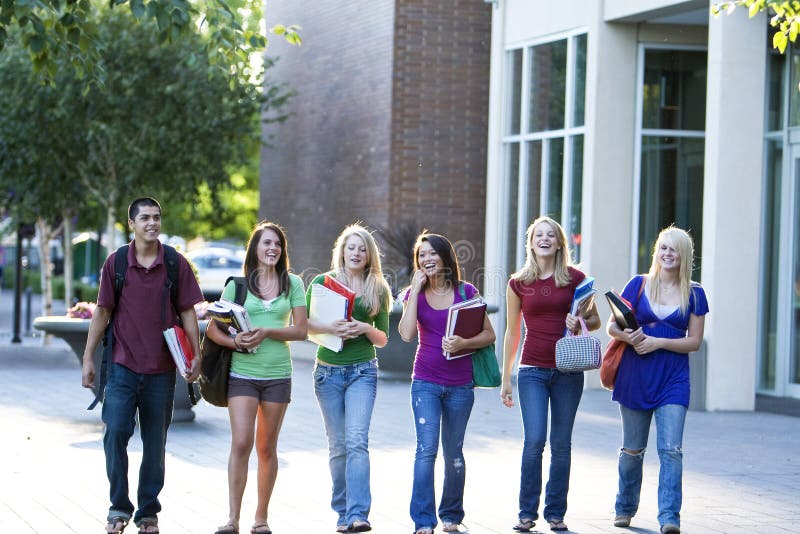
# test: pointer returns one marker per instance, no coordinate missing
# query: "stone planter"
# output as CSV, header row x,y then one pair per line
x,y
74,332
396,359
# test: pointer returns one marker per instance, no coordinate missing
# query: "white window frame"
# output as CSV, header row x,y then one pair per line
x,y
566,133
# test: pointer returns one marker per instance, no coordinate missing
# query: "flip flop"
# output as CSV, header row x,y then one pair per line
x,y
557,525
117,524
525,525
260,528
147,525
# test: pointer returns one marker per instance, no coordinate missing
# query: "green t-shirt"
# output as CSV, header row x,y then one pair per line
x,y
271,359
359,349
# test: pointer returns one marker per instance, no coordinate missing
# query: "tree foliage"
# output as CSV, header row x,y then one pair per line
x,y
785,17
67,29
166,123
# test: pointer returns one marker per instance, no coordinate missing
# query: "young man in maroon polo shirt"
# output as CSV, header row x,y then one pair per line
x,y
141,375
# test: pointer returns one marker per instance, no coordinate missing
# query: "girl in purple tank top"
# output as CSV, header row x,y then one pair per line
x,y
441,389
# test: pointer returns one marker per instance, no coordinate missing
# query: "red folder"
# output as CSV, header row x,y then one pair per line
x,y
334,285
465,319
186,347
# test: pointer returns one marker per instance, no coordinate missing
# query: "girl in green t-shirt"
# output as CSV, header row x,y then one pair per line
x,y
345,382
260,381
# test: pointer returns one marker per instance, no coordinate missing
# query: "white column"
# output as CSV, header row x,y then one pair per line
x,y
609,160
732,212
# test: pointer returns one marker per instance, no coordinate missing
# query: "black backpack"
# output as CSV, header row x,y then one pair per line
x,y
171,260
216,363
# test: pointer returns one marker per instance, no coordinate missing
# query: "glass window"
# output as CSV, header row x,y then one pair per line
x,y
671,193
512,177
776,80
579,102
515,95
674,92
536,137
774,155
548,79
534,179
794,94
794,363
576,211
555,178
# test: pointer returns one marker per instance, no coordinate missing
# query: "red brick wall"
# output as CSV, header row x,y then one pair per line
x,y
439,117
388,125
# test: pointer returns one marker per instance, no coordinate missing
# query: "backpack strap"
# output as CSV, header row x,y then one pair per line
x,y
120,268
241,288
172,263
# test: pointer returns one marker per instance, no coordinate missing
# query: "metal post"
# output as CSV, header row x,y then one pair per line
x,y
28,295
18,287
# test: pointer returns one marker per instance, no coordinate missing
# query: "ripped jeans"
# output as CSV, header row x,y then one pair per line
x,y
670,419
446,408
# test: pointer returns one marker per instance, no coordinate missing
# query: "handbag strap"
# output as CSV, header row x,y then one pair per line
x,y
462,291
584,330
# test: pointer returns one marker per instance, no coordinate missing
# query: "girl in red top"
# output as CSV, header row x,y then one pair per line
x,y
541,293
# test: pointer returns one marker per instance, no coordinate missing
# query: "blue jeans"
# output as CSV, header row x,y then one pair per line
x,y
346,396
537,388
434,407
670,419
152,395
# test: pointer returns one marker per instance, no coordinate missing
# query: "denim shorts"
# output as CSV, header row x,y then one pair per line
x,y
269,390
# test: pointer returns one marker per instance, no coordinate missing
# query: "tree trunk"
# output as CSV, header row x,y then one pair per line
x,y
43,234
69,262
111,234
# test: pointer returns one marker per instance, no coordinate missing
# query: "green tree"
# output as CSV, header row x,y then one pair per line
x,y
785,17
67,29
165,123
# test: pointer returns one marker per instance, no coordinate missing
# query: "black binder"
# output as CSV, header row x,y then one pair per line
x,y
623,314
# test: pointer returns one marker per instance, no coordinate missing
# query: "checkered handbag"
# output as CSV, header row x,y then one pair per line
x,y
578,352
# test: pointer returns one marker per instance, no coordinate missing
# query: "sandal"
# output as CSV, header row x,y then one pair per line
x,y
260,528
424,530
525,524
557,525
622,521
229,528
359,525
117,524
148,525
450,527
342,528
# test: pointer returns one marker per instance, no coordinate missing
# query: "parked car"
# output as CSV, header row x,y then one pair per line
x,y
214,266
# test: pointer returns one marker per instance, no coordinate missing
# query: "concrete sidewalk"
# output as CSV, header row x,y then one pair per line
x,y
741,470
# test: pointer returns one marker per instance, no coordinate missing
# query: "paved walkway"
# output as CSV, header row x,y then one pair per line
x,y
741,470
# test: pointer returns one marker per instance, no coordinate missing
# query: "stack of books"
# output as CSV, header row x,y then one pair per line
x,y
584,296
230,317
330,301
464,319
179,348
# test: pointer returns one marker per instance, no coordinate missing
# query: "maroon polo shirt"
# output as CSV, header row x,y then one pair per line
x,y
544,310
138,339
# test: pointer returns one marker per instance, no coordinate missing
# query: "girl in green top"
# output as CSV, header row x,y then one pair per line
x,y
260,381
345,382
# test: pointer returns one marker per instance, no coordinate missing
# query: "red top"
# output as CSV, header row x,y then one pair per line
x,y
544,310
138,339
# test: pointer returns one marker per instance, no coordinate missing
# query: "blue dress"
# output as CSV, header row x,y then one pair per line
x,y
647,381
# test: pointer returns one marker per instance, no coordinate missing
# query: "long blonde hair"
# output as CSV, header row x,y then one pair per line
x,y
530,271
376,293
681,241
